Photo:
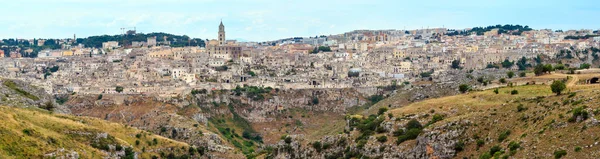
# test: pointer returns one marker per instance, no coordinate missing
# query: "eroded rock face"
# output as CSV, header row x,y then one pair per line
x,y
17,93
437,142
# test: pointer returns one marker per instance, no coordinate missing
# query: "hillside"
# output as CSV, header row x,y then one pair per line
x,y
533,123
36,133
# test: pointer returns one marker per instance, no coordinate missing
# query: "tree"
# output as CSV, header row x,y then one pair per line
x,y
463,88
543,69
558,86
585,66
119,89
510,74
455,64
507,64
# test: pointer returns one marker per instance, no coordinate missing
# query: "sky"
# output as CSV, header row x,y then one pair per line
x,y
263,20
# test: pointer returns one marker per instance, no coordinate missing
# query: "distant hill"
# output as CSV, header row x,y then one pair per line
x,y
176,40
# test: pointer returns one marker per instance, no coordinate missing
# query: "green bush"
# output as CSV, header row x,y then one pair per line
x,y
317,145
495,149
579,112
503,135
480,142
413,129
485,155
119,89
436,118
463,88
502,80
514,146
520,108
409,135
382,110
577,149
513,92
382,139
459,146
376,98
559,153
510,74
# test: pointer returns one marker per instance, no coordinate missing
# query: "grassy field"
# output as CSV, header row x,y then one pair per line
x,y
34,133
536,119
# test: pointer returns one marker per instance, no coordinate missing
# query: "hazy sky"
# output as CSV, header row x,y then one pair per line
x,y
259,20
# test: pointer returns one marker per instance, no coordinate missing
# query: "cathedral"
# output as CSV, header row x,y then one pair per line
x,y
220,48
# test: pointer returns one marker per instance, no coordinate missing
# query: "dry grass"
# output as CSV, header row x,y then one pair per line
x,y
32,133
541,128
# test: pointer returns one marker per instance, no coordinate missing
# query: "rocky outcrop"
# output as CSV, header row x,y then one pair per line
x,y
17,93
436,142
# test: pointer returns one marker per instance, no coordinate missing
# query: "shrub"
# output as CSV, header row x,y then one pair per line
x,y
459,146
315,101
510,74
398,132
514,91
129,153
435,118
579,112
496,90
503,135
413,129
288,139
502,80
382,110
99,96
119,89
495,149
48,106
413,124
382,139
480,142
577,149
317,145
522,74
520,108
559,153
485,155
409,135
573,94
514,146
375,98
463,88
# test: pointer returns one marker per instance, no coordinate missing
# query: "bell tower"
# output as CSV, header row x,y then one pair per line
x,y
221,34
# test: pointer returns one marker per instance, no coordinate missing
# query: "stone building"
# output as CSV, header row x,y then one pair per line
x,y
222,49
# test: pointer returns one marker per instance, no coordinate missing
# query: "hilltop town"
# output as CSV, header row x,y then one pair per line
x,y
361,58
426,93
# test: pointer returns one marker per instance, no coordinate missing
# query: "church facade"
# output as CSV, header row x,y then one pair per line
x,y
220,49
